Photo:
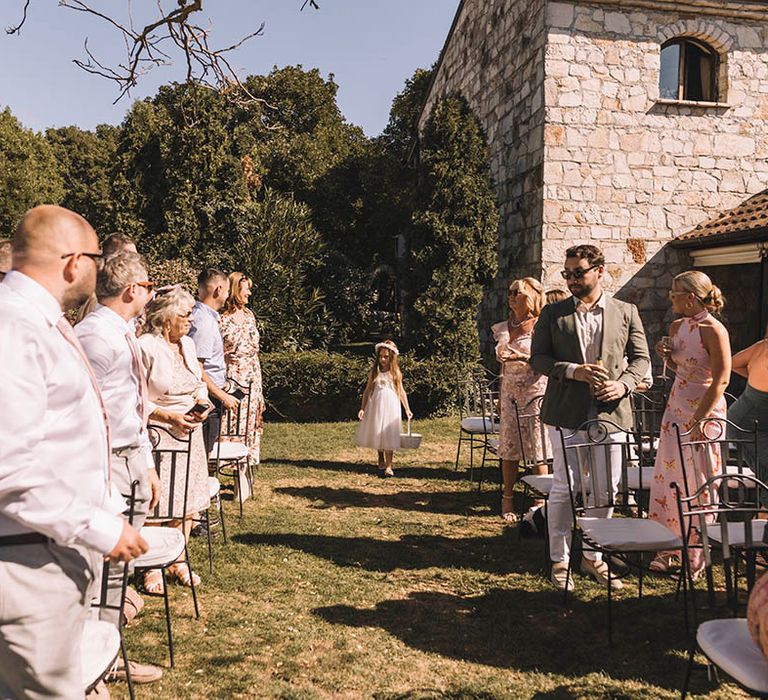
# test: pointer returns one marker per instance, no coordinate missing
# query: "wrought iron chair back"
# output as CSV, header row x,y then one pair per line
x,y
529,425
172,455
236,423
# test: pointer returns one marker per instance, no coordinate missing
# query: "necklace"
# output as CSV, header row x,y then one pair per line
x,y
512,324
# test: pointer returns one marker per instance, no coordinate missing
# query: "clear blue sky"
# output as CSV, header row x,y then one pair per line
x,y
371,46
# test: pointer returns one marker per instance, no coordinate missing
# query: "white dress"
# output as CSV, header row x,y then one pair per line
x,y
380,428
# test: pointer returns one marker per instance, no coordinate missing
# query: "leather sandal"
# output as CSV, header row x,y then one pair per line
x,y
509,516
184,575
153,582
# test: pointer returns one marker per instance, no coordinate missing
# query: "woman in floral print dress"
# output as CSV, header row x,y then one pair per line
x,y
241,353
700,355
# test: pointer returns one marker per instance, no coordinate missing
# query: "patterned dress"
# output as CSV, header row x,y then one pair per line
x,y
241,353
518,383
693,378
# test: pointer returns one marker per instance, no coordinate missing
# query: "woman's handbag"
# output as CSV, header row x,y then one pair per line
x,y
409,440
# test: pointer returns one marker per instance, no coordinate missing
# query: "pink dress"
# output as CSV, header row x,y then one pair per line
x,y
693,378
518,383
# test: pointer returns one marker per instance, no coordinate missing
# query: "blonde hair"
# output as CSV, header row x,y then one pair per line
x,y
534,294
394,367
167,302
235,299
697,283
555,295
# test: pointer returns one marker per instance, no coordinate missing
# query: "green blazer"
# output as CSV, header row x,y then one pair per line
x,y
568,403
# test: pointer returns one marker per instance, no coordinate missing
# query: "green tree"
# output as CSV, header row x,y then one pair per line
x,y
454,232
85,161
28,172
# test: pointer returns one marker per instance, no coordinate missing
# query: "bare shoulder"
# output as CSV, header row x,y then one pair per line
x,y
711,327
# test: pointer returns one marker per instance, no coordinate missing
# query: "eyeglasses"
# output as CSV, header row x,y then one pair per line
x,y
578,273
98,258
514,292
149,286
672,293
186,315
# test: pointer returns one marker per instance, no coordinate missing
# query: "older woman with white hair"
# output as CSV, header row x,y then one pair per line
x,y
179,400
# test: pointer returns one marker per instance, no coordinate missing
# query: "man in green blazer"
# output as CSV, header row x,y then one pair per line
x,y
593,350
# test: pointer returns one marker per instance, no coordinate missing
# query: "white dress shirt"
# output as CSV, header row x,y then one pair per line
x,y
53,443
102,335
589,331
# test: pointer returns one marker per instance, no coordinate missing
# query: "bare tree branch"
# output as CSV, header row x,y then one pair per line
x,y
172,33
17,28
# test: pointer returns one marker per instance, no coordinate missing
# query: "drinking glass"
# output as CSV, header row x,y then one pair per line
x,y
666,340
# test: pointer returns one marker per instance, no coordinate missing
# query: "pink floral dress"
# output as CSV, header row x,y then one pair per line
x,y
241,353
693,378
518,383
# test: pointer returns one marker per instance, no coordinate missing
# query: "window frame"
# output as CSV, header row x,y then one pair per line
x,y
682,65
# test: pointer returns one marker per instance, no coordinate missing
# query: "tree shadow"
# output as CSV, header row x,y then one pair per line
x,y
489,554
468,503
403,471
532,631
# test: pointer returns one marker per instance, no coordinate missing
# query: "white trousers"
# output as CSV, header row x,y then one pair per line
x,y
559,510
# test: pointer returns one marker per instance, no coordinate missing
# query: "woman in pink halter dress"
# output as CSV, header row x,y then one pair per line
x,y
700,355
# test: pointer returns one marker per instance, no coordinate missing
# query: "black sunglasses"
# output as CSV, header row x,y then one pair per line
x,y
578,273
96,257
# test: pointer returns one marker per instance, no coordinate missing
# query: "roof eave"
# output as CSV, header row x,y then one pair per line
x,y
754,235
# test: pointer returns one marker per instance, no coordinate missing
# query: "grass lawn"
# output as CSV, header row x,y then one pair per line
x,y
337,584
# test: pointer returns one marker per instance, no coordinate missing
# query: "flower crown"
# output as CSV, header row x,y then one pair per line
x,y
386,344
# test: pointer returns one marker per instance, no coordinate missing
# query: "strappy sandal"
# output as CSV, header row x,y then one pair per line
x,y
388,472
184,575
509,516
153,582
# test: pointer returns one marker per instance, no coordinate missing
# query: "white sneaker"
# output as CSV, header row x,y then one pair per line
x,y
598,570
559,576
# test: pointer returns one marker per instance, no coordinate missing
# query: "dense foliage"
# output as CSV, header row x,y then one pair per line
x,y
346,238
453,239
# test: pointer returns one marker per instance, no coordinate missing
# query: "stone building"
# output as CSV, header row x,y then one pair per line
x,y
625,123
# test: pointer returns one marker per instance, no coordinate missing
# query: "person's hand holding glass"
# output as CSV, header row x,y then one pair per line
x,y
664,350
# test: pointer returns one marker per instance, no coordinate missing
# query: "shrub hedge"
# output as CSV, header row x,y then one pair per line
x,y
315,385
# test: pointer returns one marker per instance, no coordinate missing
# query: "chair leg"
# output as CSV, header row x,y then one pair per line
x,y
458,452
610,607
167,615
689,668
640,577
210,540
239,488
124,654
192,583
220,503
568,574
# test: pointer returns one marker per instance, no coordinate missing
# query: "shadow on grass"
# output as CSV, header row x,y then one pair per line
x,y
489,554
468,503
531,631
404,471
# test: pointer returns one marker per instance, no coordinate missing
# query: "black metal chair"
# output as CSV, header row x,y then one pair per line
x,y
230,454
472,424
590,453
172,456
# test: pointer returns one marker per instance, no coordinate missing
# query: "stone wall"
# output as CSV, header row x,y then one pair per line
x,y
627,171
495,59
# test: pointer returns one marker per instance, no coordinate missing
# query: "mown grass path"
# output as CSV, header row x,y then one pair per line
x,y
337,584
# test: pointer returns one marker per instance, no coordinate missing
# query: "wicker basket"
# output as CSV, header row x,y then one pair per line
x,y
409,440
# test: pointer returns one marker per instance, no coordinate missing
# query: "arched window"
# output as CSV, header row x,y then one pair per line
x,y
688,71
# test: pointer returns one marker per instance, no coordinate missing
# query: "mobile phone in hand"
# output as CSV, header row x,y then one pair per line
x,y
238,393
198,409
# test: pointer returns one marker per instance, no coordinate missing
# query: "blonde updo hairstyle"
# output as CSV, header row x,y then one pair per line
x,y
168,302
697,283
534,294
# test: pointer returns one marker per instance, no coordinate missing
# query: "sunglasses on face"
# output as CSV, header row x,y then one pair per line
x,y
514,293
578,273
149,286
98,258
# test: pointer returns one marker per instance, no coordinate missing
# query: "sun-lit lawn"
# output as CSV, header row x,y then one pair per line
x,y
336,584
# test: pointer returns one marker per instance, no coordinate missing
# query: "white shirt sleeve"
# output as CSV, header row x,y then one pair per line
x,y
32,491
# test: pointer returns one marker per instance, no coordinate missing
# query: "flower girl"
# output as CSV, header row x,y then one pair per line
x,y
379,413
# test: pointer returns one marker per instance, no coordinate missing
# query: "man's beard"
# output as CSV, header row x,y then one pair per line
x,y
582,291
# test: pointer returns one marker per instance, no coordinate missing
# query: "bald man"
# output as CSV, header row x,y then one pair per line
x,y
58,517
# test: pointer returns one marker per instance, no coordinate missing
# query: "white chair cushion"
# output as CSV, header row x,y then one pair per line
x,y
736,533
229,451
629,534
540,483
99,647
165,546
478,424
728,644
733,469
214,486
633,478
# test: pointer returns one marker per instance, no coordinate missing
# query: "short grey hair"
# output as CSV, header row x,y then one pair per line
x,y
168,302
117,272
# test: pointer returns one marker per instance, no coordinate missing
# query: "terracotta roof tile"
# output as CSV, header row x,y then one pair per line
x,y
750,215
